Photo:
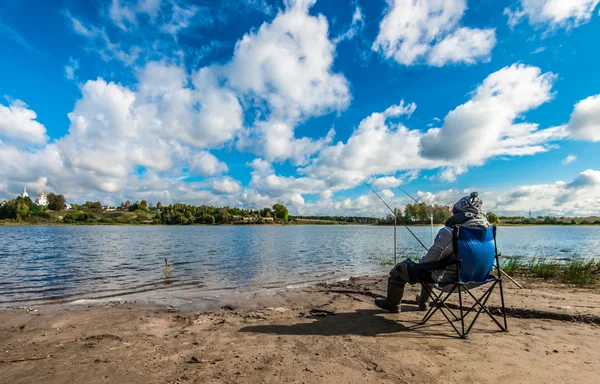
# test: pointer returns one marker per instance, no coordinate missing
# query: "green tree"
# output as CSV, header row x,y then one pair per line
x,y
94,206
492,218
143,205
56,202
281,212
159,206
22,210
266,212
133,207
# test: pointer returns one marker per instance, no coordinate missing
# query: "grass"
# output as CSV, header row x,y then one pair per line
x,y
577,272
385,261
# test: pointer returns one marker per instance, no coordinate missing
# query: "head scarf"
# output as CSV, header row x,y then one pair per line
x,y
471,204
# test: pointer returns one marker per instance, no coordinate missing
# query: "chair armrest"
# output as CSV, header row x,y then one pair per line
x,y
437,264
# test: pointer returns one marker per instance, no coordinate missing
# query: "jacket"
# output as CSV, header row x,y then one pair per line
x,y
443,248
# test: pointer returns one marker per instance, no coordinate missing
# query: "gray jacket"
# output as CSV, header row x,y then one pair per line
x,y
443,249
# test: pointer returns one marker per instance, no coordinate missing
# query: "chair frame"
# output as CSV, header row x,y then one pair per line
x,y
439,300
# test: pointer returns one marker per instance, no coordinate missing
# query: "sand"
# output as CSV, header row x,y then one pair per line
x,y
319,334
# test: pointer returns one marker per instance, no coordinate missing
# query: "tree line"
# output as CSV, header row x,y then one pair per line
x,y
23,209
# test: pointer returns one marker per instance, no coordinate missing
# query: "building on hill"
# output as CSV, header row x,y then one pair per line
x,y
42,200
24,194
2,203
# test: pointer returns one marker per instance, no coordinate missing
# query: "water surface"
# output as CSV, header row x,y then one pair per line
x,y
56,263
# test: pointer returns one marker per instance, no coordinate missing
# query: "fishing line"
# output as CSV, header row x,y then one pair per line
x,y
398,217
418,202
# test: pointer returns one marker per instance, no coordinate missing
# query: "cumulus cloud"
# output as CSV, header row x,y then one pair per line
x,y
579,197
585,119
285,68
205,163
17,121
555,13
225,186
484,126
375,147
418,31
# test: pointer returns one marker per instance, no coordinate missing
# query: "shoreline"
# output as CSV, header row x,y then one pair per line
x,y
26,224
324,332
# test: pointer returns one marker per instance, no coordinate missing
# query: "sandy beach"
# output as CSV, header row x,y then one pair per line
x,y
328,333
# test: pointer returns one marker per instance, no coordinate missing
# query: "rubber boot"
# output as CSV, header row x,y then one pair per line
x,y
422,299
394,297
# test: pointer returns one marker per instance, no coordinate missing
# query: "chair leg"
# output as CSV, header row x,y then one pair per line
x,y
482,307
485,298
503,307
462,318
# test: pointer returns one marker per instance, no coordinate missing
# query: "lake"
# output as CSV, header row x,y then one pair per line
x,y
57,264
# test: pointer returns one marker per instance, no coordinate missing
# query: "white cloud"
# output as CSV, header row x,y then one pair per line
x,y
415,31
206,164
451,173
579,197
19,122
149,7
287,63
585,119
465,45
555,13
225,186
71,68
357,24
121,16
569,159
386,182
285,69
100,42
181,18
375,147
484,126
276,140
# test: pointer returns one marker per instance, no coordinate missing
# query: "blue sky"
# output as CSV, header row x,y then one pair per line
x,y
251,102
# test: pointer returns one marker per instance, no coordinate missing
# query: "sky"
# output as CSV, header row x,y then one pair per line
x,y
249,103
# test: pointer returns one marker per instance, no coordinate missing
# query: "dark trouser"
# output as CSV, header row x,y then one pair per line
x,y
404,272
408,271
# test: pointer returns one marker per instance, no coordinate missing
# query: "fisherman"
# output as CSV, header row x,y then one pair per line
x,y
465,212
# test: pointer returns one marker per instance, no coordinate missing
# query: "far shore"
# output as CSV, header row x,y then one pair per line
x,y
321,333
28,224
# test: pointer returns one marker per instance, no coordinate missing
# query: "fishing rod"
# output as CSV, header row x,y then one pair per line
x,y
396,216
418,202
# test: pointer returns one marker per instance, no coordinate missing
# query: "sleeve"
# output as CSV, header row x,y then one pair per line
x,y
441,248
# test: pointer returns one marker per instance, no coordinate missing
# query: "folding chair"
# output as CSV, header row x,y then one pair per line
x,y
476,251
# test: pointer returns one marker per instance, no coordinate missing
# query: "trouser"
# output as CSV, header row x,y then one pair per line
x,y
408,271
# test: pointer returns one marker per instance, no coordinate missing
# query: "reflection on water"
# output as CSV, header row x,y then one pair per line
x,y
69,263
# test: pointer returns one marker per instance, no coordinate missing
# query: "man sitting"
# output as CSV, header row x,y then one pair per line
x,y
467,213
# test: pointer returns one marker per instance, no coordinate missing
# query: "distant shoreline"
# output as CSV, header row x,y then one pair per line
x,y
27,224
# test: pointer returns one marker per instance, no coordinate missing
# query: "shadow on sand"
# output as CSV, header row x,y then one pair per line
x,y
363,322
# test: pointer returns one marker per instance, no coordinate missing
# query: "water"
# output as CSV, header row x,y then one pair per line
x,y
58,264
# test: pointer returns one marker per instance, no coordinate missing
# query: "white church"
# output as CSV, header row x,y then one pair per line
x,y
41,200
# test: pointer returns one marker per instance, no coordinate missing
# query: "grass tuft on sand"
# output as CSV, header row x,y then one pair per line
x,y
579,272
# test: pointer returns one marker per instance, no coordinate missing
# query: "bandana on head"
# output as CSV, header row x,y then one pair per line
x,y
470,203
